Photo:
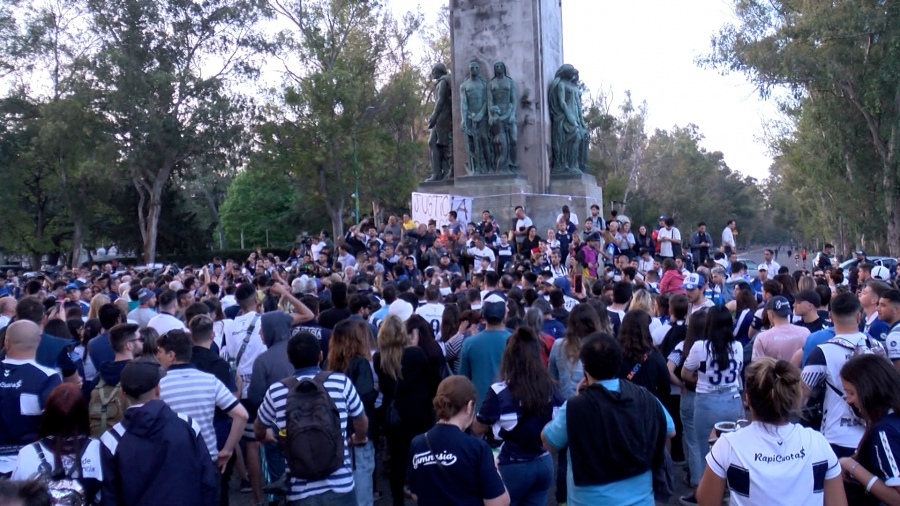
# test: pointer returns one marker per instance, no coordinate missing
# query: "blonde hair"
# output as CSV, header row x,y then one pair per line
x,y
96,302
641,299
392,340
806,283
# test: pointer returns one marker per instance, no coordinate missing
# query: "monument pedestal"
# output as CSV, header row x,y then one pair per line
x,y
501,193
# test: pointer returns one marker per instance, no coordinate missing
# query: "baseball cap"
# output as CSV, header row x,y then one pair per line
x,y
662,217
693,280
493,309
809,296
145,294
73,286
593,236
762,267
860,252
139,377
779,305
401,309
881,272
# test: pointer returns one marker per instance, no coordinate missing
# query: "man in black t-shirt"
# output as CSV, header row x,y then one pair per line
x,y
806,305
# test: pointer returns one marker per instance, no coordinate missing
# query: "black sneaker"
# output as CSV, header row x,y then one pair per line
x,y
688,500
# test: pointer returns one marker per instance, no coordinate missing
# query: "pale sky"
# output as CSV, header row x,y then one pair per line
x,y
649,47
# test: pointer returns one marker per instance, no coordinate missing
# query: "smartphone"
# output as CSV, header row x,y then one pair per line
x,y
578,283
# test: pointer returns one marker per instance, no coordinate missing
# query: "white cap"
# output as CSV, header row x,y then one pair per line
x,y
401,309
881,272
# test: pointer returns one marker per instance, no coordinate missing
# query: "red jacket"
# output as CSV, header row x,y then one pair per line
x,y
671,282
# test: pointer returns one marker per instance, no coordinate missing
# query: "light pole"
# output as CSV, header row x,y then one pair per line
x,y
364,117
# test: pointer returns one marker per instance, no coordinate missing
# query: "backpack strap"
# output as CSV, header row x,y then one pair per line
x,y
321,377
104,401
237,360
44,468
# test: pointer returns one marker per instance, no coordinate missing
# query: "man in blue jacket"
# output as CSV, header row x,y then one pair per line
x,y
154,455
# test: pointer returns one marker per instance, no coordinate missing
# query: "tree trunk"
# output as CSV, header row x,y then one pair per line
x,y
214,209
892,209
77,238
152,222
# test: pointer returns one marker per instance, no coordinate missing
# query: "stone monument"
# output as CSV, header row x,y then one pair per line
x,y
509,155
441,125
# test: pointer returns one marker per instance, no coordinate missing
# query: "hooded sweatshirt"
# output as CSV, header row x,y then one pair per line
x,y
271,365
155,456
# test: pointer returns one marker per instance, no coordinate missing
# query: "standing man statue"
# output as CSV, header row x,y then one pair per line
x,y
441,125
502,98
473,104
568,134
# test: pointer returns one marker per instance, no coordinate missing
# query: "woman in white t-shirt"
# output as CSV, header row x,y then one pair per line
x,y
773,461
715,363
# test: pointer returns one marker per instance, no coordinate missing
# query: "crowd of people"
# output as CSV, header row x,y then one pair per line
x,y
468,363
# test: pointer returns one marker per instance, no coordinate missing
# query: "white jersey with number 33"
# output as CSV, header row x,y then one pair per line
x,y
713,377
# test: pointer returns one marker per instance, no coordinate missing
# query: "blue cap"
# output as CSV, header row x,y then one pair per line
x,y
693,280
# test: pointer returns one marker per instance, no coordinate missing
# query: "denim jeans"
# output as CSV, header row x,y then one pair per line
x,y
327,499
362,474
689,440
710,409
528,483
275,462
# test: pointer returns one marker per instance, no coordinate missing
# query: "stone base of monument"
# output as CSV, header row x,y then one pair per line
x,y
501,193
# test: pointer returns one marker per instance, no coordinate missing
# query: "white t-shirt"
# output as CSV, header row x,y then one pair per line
x,y
27,462
665,248
770,464
524,222
839,425
164,322
573,218
235,332
481,253
727,237
892,343
659,333
433,312
713,377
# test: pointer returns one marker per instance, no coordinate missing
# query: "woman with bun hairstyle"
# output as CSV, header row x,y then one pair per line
x,y
872,389
516,409
773,461
448,467
404,379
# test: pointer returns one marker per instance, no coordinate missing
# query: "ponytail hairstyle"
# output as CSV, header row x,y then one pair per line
x,y
453,395
773,390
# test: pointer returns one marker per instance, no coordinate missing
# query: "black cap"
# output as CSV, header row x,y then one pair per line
x,y
779,305
809,296
139,377
493,309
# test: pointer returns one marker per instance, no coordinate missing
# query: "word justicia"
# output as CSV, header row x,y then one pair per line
x,y
427,459
777,459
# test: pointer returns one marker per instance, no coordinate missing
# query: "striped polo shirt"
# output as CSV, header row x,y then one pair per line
x,y
272,414
196,394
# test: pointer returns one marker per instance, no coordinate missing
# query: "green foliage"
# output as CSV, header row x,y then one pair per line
x,y
841,62
258,201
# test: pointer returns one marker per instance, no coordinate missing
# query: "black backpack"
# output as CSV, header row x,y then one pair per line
x,y
314,444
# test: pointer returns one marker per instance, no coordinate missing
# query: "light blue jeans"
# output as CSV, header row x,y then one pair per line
x,y
529,482
327,499
710,409
362,474
688,438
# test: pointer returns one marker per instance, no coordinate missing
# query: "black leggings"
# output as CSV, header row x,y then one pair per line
x,y
398,441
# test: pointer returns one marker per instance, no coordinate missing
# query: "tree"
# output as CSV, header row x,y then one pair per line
x,y
258,205
330,128
167,107
841,61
